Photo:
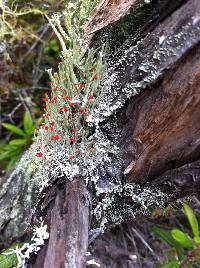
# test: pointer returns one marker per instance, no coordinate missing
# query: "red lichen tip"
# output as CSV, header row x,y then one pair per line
x,y
72,139
72,104
91,97
81,86
55,137
67,97
81,110
94,77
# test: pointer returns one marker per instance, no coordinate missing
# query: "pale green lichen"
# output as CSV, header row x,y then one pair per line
x,y
148,70
126,202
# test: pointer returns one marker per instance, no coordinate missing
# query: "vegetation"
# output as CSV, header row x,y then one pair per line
x,y
28,47
185,248
11,152
9,261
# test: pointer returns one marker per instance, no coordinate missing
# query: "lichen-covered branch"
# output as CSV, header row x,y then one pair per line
x,y
106,173
135,67
162,123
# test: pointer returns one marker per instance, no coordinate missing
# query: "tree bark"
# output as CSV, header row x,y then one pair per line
x,y
163,122
68,218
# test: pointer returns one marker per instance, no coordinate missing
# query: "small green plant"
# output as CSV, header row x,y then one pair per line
x,y
9,260
12,151
185,249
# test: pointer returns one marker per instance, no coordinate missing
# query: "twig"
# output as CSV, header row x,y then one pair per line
x,y
145,243
26,105
13,111
36,42
37,75
131,238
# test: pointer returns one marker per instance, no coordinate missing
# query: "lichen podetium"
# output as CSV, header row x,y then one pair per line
x,y
66,138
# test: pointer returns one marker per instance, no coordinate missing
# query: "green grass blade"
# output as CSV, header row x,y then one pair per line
x,y
14,129
28,123
182,238
192,219
18,142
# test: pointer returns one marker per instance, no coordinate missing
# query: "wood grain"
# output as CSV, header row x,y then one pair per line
x,y
163,128
67,215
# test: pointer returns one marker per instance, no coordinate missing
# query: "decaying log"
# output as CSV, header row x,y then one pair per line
x,y
152,88
68,218
135,67
182,181
162,130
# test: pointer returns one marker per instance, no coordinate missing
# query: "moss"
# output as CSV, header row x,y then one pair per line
x,y
116,34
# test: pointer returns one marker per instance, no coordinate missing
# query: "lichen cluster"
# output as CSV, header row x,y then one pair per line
x,y
76,138
73,97
126,202
66,138
24,252
141,71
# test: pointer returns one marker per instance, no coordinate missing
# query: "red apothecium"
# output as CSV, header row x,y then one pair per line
x,y
91,97
67,97
55,137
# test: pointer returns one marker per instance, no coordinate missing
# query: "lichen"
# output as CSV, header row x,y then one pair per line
x,y
128,72
24,252
119,88
126,202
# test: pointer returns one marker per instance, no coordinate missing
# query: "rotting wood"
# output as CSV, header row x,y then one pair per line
x,y
67,216
162,130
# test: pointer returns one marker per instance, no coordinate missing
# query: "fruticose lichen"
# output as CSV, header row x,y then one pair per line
x,y
24,252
